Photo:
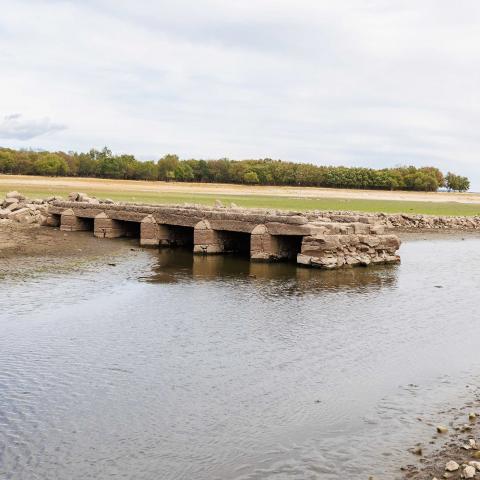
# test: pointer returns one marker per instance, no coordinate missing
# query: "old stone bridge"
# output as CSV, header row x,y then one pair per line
x,y
264,235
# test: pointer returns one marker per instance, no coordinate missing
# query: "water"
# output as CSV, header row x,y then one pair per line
x,y
169,366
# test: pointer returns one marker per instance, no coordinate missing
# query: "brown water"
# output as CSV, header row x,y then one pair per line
x,y
169,366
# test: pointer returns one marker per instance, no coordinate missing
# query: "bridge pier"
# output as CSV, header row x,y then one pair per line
x,y
69,222
153,233
265,247
105,227
149,232
206,240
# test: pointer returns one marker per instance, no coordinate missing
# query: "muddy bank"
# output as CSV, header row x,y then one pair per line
x,y
29,249
33,240
453,450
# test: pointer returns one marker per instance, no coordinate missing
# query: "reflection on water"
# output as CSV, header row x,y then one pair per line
x,y
177,265
165,365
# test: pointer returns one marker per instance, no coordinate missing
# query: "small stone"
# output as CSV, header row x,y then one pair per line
x,y
218,203
442,429
452,466
476,454
417,451
472,416
468,472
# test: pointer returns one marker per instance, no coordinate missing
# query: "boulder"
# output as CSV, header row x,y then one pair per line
x,y
15,194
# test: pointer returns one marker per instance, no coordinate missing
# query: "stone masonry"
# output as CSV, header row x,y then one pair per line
x,y
268,235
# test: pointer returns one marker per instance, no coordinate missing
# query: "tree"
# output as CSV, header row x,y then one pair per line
x,y
7,161
456,182
51,165
250,177
184,172
166,167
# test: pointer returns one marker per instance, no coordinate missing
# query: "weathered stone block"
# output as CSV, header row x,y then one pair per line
x,y
105,227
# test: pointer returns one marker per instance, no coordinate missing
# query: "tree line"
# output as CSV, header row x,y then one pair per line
x,y
104,164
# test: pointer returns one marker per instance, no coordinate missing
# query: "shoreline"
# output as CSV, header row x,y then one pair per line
x,y
459,448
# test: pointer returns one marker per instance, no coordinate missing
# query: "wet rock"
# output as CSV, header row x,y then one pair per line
x,y
442,429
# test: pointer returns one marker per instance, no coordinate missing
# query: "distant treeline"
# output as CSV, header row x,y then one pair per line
x,y
103,164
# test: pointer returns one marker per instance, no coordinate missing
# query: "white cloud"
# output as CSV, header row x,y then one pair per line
x,y
15,127
358,82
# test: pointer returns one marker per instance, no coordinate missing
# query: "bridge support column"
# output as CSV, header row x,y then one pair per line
x,y
105,227
263,246
69,222
206,240
151,233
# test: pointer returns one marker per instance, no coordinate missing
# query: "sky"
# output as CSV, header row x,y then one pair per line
x,y
353,82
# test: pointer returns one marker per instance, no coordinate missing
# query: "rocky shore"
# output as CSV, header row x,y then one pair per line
x,y
459,455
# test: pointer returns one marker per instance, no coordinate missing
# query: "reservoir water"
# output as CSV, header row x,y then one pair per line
x,y
168,366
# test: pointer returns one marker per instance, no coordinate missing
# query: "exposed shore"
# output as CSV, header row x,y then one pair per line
x,y
458,447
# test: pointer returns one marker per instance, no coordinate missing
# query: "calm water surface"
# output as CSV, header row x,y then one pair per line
x,y
169,366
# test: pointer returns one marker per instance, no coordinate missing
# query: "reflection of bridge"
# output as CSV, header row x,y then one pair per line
x,y
179,265
265,235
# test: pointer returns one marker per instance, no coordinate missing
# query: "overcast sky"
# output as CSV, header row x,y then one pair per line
x,y
353,82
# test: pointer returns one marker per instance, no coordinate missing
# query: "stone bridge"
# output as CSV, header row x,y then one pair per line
x,y
263,235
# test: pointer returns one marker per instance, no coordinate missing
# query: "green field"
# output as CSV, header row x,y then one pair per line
x,y
278,202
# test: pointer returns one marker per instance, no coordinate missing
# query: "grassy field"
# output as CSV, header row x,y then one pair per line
x,y
284,199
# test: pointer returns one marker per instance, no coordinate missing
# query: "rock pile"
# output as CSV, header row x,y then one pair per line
x,y
401,221
18,208
84,198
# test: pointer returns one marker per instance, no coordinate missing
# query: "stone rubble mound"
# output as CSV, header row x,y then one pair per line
x,y
16,207
84,198
400,220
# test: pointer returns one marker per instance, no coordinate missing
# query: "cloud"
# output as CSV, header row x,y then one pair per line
x,y
357,82
15,127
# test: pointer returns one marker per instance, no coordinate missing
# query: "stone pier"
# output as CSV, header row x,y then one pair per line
x,y
206,240
70,222
265,247
105,227
264,235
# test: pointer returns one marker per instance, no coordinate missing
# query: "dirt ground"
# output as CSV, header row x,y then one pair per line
x,y
77,184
